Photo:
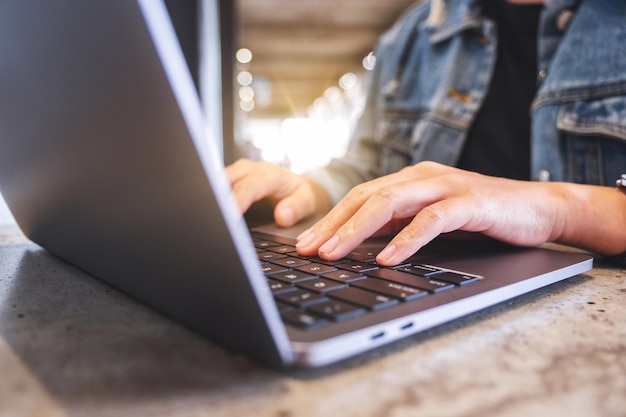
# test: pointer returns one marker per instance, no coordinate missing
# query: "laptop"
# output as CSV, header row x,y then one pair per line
x,y
107,161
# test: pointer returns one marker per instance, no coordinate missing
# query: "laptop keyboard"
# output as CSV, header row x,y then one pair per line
x,y
311,292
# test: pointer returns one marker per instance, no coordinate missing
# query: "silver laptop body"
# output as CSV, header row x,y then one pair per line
x,y
106,160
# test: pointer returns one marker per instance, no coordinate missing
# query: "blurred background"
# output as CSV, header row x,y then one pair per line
x,y
294,72
300,75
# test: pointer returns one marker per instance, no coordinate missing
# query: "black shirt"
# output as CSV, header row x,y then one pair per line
x,y
498,142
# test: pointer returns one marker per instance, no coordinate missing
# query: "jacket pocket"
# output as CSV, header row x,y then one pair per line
x,y
406,138
395,134
605,117
593,134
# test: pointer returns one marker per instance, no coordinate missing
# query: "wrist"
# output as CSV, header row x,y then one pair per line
x,y
592,218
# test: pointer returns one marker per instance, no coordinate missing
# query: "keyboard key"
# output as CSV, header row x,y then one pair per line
x,y
282,249
392,275
358,266
270,256
269,268
433,285
421,270
278,287
458,279
290,262
303,319
337,310
411,280
264,244
291,276
362,256
283,307
392,289
316,269
318,260
300,298
363,298
321,285
344,276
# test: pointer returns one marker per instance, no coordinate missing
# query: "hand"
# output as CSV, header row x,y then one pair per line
x,y
295,196
424,200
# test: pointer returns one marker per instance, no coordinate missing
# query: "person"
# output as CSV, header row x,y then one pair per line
x,y
460,133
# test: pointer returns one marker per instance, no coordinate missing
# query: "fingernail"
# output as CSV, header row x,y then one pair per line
x,y
306,239
387,253
330,245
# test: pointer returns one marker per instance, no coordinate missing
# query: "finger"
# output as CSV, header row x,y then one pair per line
x,y
437,218
309,241
391,228
324,229
386,206
238,169
361,193
248,191
295,206
236,172
260,183
253,181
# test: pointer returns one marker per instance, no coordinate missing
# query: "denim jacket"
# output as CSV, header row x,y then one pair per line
x,y
433,68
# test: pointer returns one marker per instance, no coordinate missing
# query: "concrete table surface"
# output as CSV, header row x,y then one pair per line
x,y
71,345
